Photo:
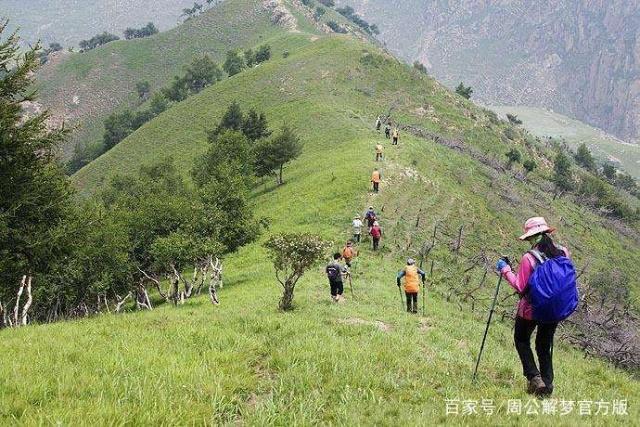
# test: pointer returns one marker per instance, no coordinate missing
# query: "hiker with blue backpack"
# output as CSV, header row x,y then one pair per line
x,y
546,283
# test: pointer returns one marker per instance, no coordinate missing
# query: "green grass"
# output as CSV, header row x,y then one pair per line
x,y
245,362
544,123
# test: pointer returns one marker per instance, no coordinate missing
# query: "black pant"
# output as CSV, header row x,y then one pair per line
x,y
544,344
378,157
387,133
356,238
376,186
376,243
412,301
336,287
395,140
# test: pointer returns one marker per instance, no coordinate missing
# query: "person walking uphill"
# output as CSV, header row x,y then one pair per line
x,y
411,284
376,177
376,234
387,131
349,253
379,149
357,228
546,283
334,273
395,136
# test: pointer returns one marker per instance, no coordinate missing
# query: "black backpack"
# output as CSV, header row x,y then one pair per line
x,y
333,272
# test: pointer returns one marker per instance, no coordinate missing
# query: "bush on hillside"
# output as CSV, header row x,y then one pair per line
x,y
609,172
513,156
252,125
417,65
464,91
584,158
319,13
97,40
144,90
138,33
328,3
336,28
272,155
513,119
292,256
234,63
562,174
529,165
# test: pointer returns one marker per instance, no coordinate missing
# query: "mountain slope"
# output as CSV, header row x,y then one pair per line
x,y
580,57
84,88
544,123
360,363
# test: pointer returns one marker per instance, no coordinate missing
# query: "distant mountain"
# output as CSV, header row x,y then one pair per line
x,y
577,57
69,21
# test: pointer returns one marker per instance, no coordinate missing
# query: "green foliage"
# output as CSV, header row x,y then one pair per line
x,y
562,173
97,40
513,156
249,57
328,3
255,126
117,127
336,28
158,103
229,155
271,155
349,13
600,194
202,72
464,91
138,33
627,183
513,119
529,165
319,13
420,67
292,256
609,171
584,158
263,53
234,63
144,89
307,3
233,119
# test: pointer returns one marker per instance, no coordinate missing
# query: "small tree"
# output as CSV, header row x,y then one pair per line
x,y
562,174
609,172
292,256
529,165
263,53
254,126
273,154
144,89
233,119
158,103
319,13
234,63
464,91
513,156
513,119
420,67
202,72
584,157
249,57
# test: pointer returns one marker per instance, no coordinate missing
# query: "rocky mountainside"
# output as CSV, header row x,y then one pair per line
x,y
577,57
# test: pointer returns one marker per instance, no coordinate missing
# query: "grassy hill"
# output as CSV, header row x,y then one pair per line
x,y
359,363
544,123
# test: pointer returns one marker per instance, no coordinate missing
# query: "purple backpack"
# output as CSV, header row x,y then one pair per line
x,y
553,291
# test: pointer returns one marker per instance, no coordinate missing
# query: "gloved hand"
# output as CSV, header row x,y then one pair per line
x,y
501,264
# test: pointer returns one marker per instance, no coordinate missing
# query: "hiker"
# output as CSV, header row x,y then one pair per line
x,y
387,131
357,228
411,284
379,149
370,217
378,123
376,234
395,136
540,310
376,177
349,253
334,273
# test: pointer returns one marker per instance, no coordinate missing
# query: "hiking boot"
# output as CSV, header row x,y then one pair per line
x,y
536,385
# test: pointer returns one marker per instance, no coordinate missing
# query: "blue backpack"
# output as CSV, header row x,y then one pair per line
x,y
553,291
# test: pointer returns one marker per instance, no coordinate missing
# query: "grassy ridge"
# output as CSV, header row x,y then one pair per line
x,y
362,362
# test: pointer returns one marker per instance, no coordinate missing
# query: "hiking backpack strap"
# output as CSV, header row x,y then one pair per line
x,y
539,257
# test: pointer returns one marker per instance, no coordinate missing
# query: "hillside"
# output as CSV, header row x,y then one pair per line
x,y
579,58
84,88
69,21
544,123
362,362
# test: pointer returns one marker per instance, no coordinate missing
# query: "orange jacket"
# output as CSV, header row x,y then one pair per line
x,y
348,253
375,176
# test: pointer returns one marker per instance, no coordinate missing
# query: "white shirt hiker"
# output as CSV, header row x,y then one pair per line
x,y
357,226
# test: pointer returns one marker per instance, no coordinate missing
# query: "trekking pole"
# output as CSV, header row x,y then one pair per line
x,y
401,299
484,338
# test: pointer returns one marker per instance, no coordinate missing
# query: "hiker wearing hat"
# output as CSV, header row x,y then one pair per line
x,y
379,149
376,177
546,283
412,276
376,234
378,123
357,228
349,253
370,217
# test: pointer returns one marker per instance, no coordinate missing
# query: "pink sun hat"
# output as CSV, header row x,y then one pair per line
x,y
535,226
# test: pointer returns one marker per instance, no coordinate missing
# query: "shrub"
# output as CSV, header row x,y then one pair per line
x,y
584,158
513,119
97,40
529,165
420,67
292,256
336,28
328,3
513,156
464,91
234,64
